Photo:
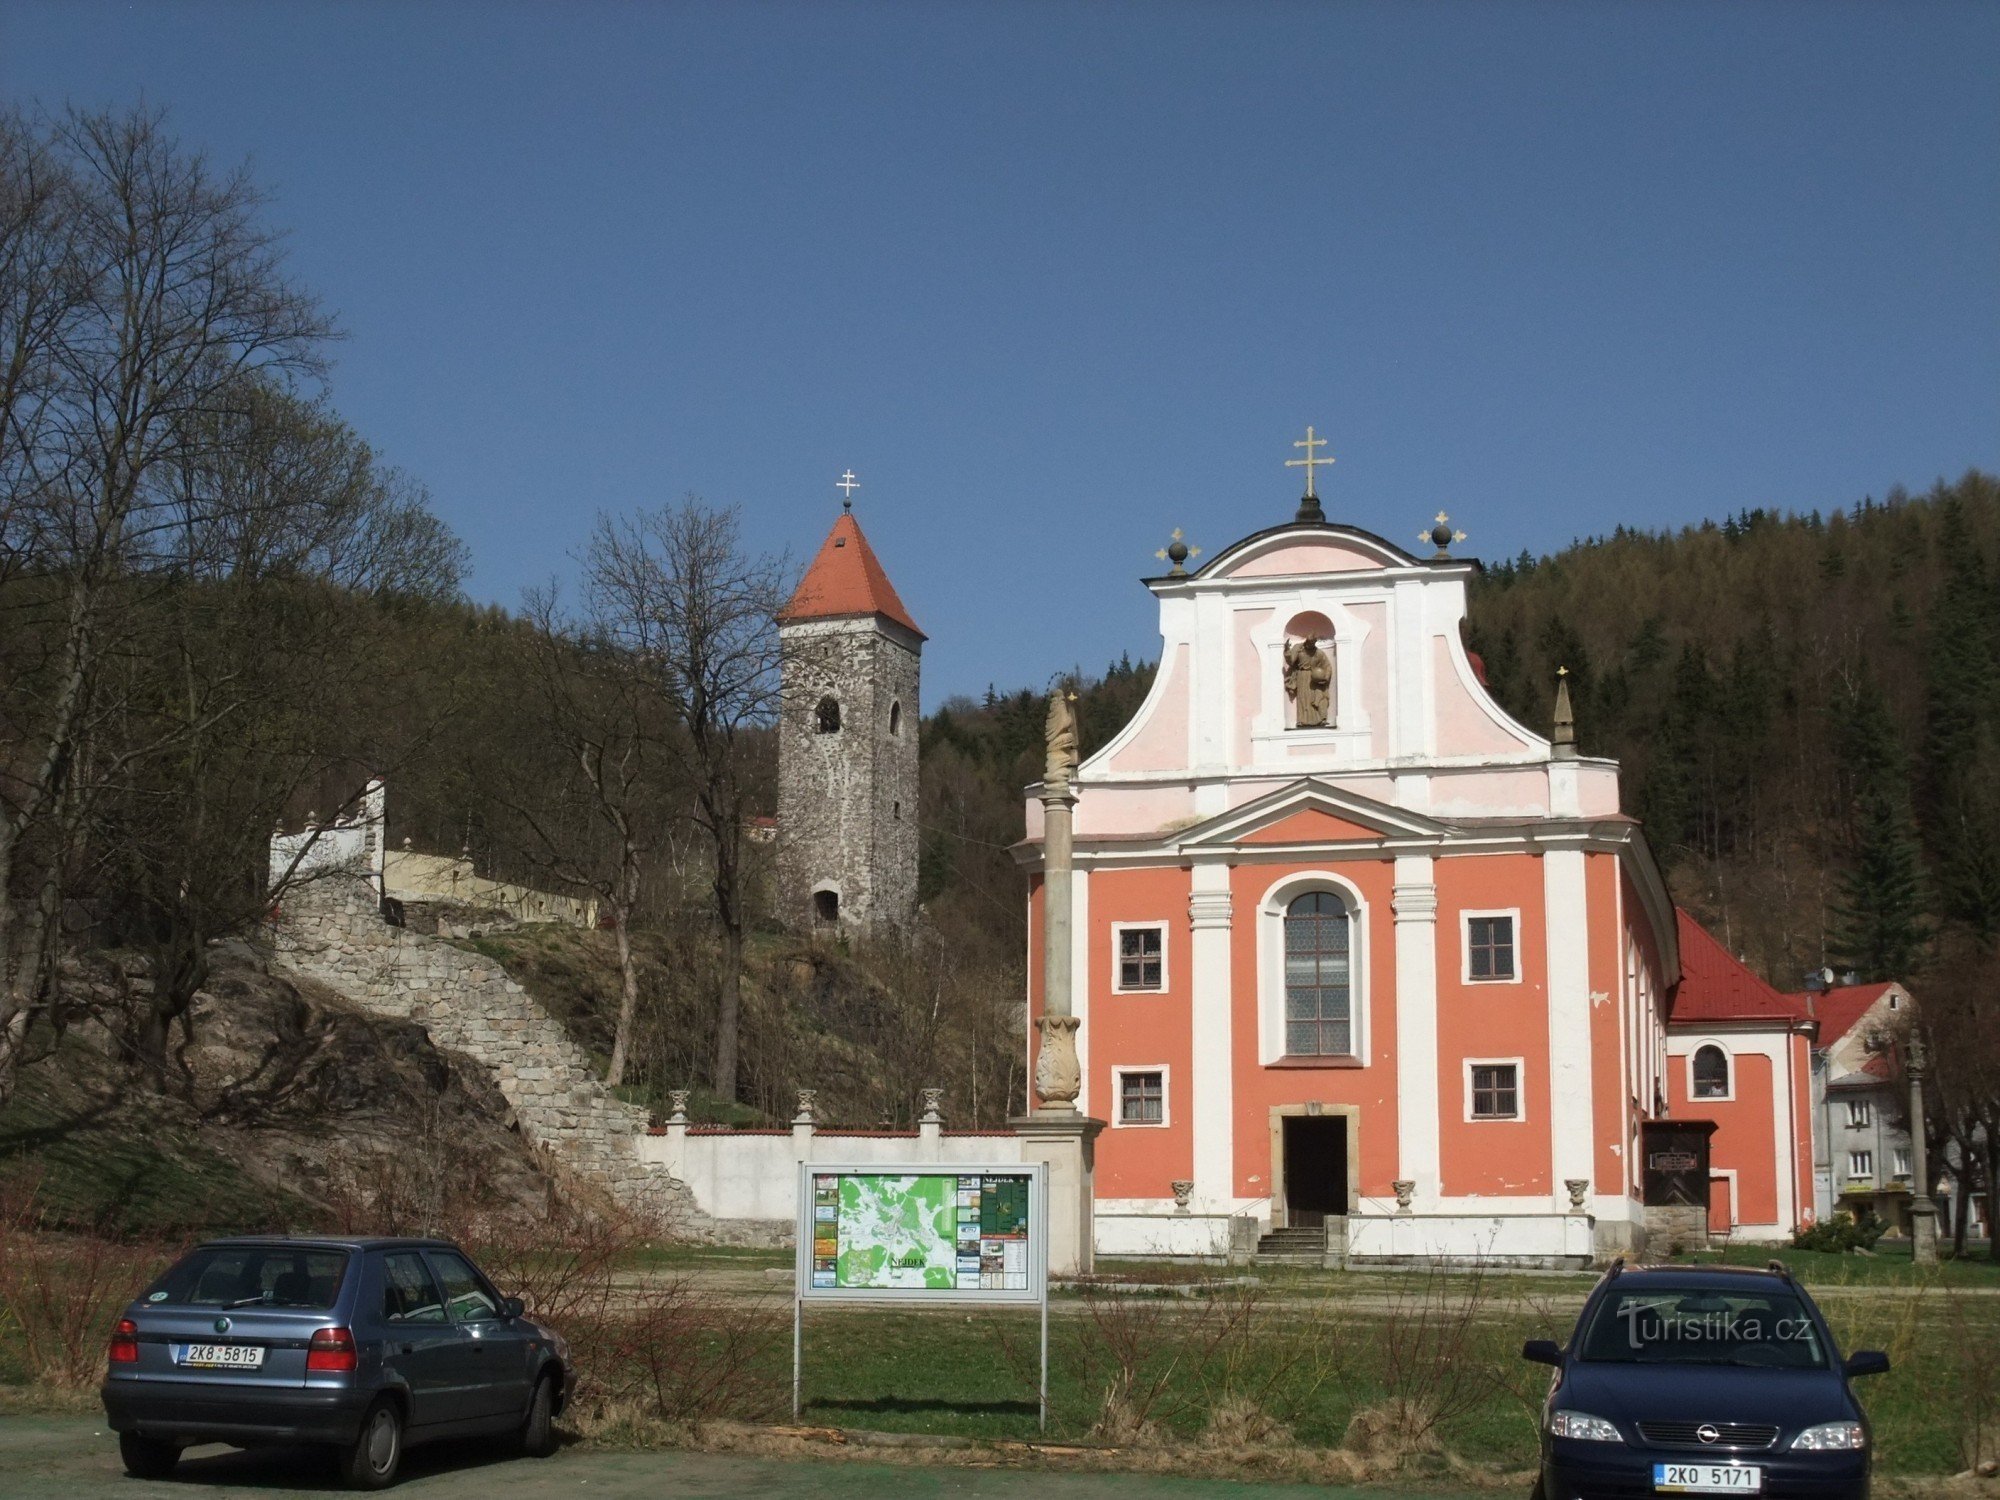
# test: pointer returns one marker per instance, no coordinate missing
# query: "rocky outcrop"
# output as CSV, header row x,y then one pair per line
x,y
330,930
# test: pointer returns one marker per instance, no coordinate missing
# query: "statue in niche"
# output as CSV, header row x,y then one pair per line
x,y
1309,682
1061,732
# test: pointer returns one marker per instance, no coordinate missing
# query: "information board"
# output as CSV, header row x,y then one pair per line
x,y
922,1233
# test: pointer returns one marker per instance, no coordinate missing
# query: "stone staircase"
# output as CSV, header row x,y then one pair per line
x,y
330,930
1316,1246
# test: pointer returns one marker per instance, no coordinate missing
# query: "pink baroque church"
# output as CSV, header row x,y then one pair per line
x,y
1360,962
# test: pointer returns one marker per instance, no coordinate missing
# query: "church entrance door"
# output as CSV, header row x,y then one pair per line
x,y
1315,1166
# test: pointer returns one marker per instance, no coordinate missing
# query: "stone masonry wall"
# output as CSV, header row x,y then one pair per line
x,y
847,800
330,930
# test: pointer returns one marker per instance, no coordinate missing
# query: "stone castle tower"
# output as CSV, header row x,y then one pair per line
x,y
847,744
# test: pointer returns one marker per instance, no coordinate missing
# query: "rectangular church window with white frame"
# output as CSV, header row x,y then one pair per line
x,y
1489,947
1496,1091
1141,956
1319,971
1142,1096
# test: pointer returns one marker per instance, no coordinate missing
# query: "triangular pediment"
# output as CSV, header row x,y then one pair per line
x,y
1311,812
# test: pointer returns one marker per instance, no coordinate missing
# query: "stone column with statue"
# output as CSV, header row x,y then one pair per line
x,y
1054,1130
1923,1208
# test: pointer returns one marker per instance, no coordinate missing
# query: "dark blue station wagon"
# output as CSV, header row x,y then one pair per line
x,y
365,1345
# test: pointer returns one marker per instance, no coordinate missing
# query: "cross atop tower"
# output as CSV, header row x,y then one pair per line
x,y
847,484
1311,461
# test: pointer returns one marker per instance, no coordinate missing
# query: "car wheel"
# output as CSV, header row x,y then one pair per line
x,y
147,1458
371,1461
538,1433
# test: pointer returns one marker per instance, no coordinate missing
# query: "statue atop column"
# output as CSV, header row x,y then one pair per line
x,y
1061,731
1309,681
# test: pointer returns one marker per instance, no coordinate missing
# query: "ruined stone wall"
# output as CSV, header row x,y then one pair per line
x,y
330,930
847,801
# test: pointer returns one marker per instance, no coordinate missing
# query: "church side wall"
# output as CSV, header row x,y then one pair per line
x,y
1494,1021
1142,1030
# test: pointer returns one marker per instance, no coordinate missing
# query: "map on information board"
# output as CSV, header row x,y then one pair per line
x,y
884,1231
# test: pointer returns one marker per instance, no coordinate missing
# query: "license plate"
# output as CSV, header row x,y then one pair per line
x,y
223,1356
1708,1479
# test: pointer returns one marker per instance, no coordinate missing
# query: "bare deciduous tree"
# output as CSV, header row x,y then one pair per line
x,y
145,290
676,590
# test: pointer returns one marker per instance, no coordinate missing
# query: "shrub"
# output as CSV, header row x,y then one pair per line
x,y
60,1294
1840,1234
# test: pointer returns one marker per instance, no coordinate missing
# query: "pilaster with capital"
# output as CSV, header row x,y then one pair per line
x,y
1210,919
1415,906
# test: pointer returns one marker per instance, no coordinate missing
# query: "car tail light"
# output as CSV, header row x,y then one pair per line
x,y
125,1343
331,1349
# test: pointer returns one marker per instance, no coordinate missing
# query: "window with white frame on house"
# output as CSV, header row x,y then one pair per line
x,y
1319,1001
1489,946
1861,1164
1902,1159
1496,1091
1142,1097
1142,957
1711,1072
1860,1113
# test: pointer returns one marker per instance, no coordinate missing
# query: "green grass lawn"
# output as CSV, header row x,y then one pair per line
x,y
1888,1264
973,1373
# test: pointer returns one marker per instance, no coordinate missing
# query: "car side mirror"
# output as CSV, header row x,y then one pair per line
x,y
1542,1351
512,1307
1866,1362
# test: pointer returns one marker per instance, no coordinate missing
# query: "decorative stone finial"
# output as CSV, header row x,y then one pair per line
x,y
933,1098
1058,1079
1177,552
805,1114
1405,1190
847,484
1441,536
677,1105
1577,1186
1183,1191
1309,509
1565,727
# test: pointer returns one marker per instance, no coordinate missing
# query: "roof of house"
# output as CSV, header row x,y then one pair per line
x,y
1716,986
846,579
1840,1010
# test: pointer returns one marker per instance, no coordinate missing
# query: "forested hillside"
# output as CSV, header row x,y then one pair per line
x,y
1805,708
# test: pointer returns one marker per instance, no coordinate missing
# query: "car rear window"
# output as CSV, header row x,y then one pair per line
x,y
1755,1327
253,1276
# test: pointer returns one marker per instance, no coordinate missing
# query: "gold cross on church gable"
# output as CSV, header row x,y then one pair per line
x,y
1311,461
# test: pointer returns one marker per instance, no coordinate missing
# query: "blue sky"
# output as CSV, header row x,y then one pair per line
x,y
1056,278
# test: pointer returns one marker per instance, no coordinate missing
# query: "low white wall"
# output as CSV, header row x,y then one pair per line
x,y
1164,1233
1531,1237
745,1174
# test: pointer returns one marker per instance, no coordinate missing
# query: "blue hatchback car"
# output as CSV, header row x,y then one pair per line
x,y
1709,1381
364,1345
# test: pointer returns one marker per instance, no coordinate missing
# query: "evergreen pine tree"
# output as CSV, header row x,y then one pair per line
x,y
1881,925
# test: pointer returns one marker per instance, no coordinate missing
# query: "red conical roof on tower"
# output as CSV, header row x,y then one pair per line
x,y
846,579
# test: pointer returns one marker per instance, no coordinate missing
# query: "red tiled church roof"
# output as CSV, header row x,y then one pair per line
x,y
846,579
1840,1010
1715,986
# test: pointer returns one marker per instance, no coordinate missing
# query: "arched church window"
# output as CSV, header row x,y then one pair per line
x,y
1711,1072
1319,997
895,718
828,715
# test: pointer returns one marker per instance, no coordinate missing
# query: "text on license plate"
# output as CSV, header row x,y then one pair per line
x,y
224,1356
1708,1479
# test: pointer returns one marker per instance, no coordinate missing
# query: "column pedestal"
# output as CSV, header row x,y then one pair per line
x,y
1067,1143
